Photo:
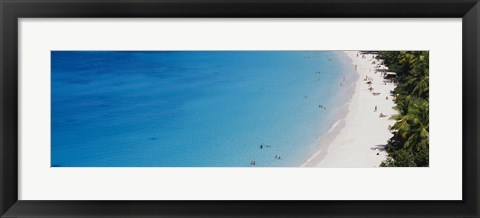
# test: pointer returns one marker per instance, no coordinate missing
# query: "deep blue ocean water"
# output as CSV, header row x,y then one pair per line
x,y
193,108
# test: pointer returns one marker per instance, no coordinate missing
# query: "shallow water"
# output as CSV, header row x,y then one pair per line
x,y
193,108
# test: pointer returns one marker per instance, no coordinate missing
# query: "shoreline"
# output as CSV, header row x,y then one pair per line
x,y
358,138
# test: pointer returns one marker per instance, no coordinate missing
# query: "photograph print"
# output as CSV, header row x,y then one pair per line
x,y
235,108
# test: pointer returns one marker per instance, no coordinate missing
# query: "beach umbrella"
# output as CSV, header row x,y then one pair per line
x,y
390,75
382,68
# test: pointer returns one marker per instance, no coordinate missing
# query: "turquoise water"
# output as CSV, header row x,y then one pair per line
x,y
193,108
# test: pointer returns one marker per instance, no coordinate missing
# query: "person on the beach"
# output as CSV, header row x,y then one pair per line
x,y
375,108
386,97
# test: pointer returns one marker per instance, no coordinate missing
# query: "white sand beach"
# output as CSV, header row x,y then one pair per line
x,y
360,138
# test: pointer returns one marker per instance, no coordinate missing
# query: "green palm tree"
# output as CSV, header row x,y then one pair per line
x,y
418,86
412,125
422,88
409,145
407,61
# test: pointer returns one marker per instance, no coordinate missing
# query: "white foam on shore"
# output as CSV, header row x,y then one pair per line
x,y
358,140
333,126
322,143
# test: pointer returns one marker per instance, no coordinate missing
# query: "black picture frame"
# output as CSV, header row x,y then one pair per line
x,y
11,10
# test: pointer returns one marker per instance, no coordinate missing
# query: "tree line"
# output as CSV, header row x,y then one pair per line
x,y
409,146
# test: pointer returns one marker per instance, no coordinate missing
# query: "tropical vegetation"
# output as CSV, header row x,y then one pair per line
x,y
409,146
